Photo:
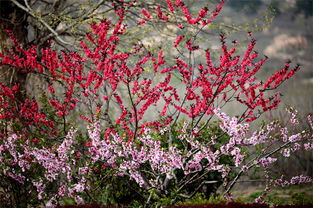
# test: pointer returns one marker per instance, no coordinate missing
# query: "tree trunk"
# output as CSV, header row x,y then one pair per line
x,y
14,19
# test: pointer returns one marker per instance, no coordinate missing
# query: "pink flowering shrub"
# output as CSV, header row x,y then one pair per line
x,y
171,154
157,167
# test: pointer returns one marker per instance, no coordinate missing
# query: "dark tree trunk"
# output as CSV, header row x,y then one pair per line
x,y
14,19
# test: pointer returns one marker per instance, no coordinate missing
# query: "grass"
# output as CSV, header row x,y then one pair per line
x,y
292,195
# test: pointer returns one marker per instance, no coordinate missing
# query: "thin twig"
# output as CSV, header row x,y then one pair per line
x,y
32,13
250,166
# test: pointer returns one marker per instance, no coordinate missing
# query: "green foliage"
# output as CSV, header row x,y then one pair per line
x,y
276,7
108,190
68,201
201,199
283,196
255,195
302,198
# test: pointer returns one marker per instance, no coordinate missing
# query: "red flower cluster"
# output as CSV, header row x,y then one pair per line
x,y
102,70
28,112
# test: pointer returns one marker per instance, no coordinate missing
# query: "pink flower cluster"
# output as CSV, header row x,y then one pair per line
x,y
136,159
294,180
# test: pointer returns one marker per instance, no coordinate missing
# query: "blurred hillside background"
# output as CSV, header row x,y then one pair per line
x,y
288,37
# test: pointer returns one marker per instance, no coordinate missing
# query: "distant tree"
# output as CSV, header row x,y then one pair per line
x,y
249,7
304,7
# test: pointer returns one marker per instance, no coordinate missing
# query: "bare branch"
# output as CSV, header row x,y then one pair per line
x,y
250,166
197,189
76,22
32,13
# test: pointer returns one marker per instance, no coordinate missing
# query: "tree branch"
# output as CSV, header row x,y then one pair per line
x,y
32,13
